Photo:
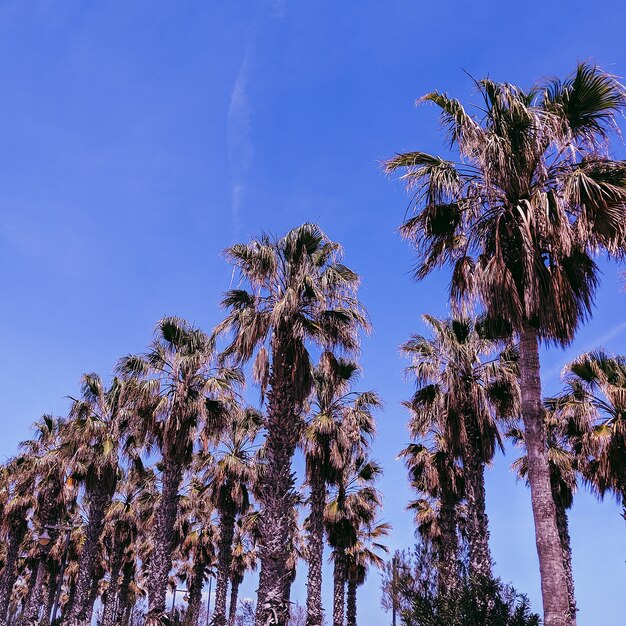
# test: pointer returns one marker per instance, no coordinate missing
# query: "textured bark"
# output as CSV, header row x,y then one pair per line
x,y
276,489
163,538
339,587
79,613
93,596
38,591
224,558
553,579
123,605
315,552
9,571
448,573
195,593
351,603
67,607
563,526
32,566
234,595
52,582
110,606
477,527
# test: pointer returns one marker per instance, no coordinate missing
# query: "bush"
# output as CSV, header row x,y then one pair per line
x,y
410,583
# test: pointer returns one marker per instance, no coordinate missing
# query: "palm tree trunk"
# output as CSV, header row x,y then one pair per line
x,y
563,526
79,614
224,558
477,527
315,552
339,587
123,604
351,602
36,595
234,595
163,539
67,607
195,592
9,572
109,610
276,489
53,573
553,579
448,570
93,596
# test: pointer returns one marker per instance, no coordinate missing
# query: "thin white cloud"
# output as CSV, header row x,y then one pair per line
x,y
240,146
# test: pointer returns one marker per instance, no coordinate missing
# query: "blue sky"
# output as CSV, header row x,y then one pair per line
x,y
140,139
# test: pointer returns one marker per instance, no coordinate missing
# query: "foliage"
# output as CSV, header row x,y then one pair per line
x,y
409,582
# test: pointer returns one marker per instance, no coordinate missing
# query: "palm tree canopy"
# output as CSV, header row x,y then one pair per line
x,y
463,382
594,400
340,422
354,502
188,391
365,552
535,196
94,437
299,291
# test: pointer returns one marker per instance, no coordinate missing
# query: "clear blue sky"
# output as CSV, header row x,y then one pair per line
x,y
139,139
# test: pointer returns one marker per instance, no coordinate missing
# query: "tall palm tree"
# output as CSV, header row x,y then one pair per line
x,y
19,501
594,399
300,294
338,427
563,468
180,361
244,559
131,504
463,385
436,475
231,477
51,504
519,220
198,545
353,505
359,558
93,442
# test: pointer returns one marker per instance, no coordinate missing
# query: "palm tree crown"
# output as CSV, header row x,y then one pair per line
x,y
535,197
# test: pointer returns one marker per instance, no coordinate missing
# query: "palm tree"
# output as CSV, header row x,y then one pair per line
x,y
131,505
244,559
359,558
198,544
461,381
231,477
51,505
436,475
519,221
19,501
338,427
93,441
594,400
180,362
353,505
563,468
299,294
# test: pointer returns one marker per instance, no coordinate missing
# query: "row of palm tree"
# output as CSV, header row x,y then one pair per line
x,y
167,482
160,477
534,198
